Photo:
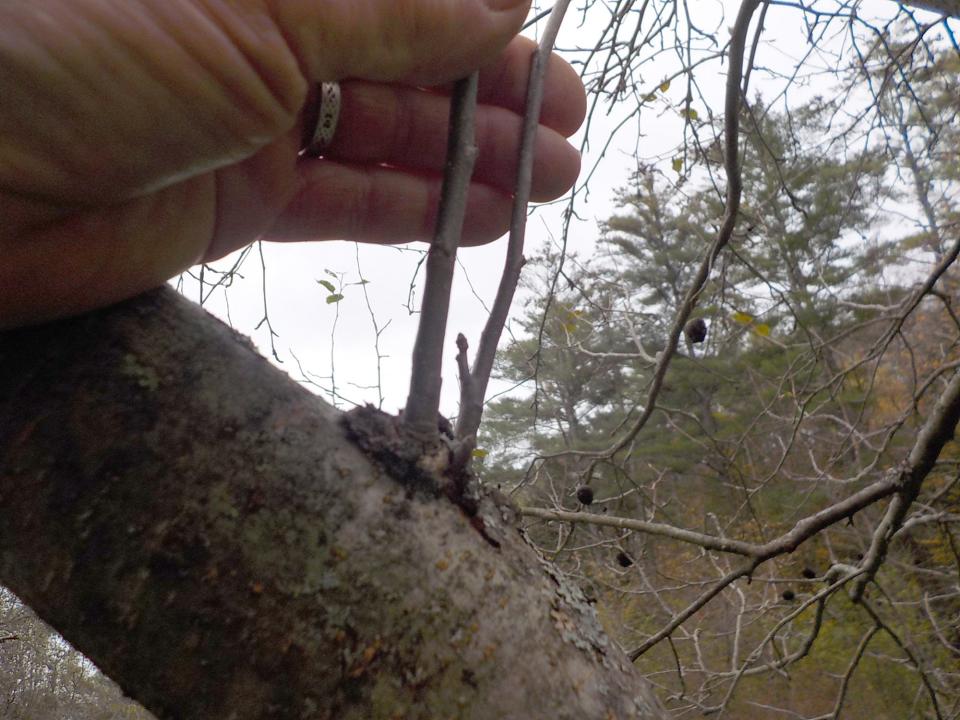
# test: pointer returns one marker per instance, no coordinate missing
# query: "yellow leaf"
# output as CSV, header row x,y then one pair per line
x,y
691,114
762,329
677,164
649,97
569,327
480,453
664,86
743,318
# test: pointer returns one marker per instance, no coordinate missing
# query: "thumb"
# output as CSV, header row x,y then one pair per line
x,y
424,42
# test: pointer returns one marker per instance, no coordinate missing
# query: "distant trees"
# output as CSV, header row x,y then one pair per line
x,y
41,677
779,466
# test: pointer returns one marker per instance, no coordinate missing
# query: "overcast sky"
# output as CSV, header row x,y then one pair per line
x,y
319,334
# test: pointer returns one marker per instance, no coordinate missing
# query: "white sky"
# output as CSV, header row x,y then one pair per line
x,y
305,323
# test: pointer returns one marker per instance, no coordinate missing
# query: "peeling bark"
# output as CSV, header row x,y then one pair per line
x,y
199,526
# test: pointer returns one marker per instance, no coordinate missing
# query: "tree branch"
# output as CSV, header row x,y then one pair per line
x,y
423,402
935,433
708,542
199,526
471,409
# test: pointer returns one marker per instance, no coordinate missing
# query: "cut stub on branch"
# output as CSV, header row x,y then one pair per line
x,y
201,527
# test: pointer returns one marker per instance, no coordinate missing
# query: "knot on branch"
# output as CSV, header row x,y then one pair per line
x,y
415,460
429,465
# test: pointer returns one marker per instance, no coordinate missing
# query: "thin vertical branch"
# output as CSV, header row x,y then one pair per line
x,y
423,402
471,408
851,667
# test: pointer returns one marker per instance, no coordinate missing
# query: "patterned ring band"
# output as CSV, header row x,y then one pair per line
x,y
327,116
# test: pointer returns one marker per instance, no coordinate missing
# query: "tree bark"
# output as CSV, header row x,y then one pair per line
x,y
946,7
200,527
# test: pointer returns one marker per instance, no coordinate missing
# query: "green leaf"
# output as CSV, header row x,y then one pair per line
x,y
480,453
664,86
649,97
335,298
691,114
328,285
677,164
329,272
743,318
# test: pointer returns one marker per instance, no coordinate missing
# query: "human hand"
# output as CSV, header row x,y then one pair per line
x,y
138,138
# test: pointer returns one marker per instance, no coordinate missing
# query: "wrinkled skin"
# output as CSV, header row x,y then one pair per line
x,y
138,138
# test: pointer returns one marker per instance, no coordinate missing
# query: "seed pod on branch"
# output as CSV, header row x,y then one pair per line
x,y
696,330
585,494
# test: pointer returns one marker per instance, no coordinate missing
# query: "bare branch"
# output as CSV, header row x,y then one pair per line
x,y
911,655
854,662
692,608
708,542
423,402
786,543
935,433
471,411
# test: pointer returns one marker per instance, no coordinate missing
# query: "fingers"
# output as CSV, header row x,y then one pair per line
x,y
391,41
382,205
104,101
407,128
504,83
104,255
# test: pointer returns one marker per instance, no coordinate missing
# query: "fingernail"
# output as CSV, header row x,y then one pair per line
x,y
505,4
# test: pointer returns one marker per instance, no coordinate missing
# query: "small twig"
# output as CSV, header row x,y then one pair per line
x,y
423,402
912,657
377,330
854,662
266,313
467,389
471,411
685,614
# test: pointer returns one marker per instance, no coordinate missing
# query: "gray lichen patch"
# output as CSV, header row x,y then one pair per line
x,y
144,375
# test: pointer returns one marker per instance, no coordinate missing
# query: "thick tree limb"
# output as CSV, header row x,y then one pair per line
x,y
197,524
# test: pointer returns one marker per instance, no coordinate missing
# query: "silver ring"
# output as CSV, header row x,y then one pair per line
x,y
327,117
